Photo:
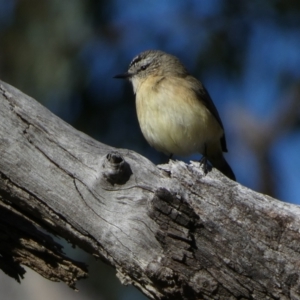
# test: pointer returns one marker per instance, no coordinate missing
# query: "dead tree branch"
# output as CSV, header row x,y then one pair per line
x,y
169,230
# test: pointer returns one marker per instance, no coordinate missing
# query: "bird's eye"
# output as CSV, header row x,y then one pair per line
x,y
144,67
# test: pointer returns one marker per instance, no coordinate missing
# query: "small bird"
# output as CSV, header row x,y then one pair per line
x,y
175,112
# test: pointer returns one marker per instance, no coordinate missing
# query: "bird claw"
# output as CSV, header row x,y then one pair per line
x,y
204,164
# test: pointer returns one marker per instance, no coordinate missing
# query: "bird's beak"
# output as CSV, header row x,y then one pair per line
x,y
124,75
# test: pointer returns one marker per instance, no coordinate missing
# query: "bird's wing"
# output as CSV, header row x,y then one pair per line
x,y
204,96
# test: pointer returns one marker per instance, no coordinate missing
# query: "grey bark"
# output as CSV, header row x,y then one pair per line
x,y
169,230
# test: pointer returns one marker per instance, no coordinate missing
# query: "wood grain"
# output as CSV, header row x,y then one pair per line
x,y
169,230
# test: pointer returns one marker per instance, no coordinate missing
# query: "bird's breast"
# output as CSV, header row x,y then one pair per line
x,y
172,118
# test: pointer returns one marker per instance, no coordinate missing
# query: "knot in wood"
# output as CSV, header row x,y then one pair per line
x,y
115,169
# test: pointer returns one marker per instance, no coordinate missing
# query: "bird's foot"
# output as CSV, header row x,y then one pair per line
x,y
204,164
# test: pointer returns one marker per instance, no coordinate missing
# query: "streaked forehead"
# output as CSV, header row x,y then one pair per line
x,y
136,60
146,56
139,58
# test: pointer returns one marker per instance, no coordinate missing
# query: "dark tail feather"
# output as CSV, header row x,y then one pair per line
x,y
222,165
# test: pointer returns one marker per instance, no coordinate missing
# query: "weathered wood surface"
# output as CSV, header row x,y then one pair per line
x,y
169,230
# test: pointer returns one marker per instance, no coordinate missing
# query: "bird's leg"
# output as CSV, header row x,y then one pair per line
x,y
169,157
203,161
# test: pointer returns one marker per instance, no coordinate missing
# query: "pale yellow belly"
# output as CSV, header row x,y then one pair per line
x,y
174,123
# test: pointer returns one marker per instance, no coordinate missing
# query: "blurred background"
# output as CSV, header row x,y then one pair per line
x,y
247,53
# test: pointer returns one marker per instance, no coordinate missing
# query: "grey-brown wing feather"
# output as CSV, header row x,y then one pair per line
x,y
207,101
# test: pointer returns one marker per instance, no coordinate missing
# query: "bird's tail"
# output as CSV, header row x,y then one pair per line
x,y
221,164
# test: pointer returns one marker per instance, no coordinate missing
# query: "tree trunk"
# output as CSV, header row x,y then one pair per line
x,y
169,230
